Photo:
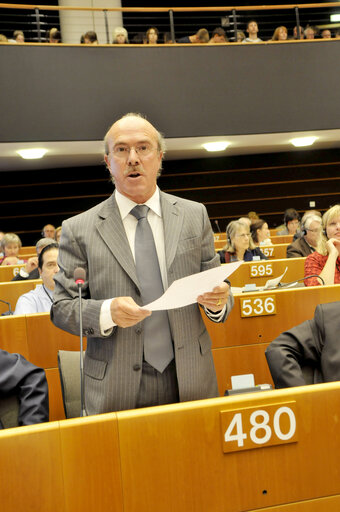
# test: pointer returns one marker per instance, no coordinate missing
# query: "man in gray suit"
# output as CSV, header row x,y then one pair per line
x,y
103,241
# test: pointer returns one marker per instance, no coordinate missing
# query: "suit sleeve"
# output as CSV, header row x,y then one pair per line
x,y
211,259
296,348
293,252
65,309
28,382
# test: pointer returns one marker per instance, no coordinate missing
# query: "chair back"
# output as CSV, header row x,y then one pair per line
x,y
9,411
69,371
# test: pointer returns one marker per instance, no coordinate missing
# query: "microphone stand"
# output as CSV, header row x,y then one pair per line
x,y
9,312
82,382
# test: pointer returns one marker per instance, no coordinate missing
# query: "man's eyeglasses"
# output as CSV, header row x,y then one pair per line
x,y
142,150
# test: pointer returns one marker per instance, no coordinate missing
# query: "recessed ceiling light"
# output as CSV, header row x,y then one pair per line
x,y
303,141
216,146
30,154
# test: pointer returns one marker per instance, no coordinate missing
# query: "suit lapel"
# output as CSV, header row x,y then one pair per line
x,y
111,229
173,221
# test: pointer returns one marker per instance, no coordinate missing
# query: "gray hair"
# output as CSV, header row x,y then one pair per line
x,y
43,242
120,30
10,238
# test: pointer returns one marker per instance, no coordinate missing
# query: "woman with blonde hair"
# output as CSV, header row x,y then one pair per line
x,y
280,34
10,247
325,261
120,36
240,245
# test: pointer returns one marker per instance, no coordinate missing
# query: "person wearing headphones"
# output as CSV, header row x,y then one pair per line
x,y
325,261
307,242
240,245
48,231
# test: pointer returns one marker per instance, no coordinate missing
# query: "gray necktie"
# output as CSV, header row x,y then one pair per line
x,y
158,349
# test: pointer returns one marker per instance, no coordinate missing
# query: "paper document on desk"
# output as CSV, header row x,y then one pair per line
x,y
273,283
186,290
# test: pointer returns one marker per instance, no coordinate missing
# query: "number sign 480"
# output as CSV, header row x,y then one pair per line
x,y
257,427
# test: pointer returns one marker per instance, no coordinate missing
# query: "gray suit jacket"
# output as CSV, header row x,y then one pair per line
x,y
314,343
96,240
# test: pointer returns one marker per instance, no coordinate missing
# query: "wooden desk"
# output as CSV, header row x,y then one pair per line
x,y
259,272
7,272
10,292
277,251
38,340
103,462
239,343
28,249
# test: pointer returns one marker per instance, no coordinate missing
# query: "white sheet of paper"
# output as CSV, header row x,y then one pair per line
x,y
186,290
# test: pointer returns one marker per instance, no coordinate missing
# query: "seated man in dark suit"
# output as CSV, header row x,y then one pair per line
x,y
314,343
28,382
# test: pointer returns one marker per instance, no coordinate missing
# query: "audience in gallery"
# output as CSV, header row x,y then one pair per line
x,y
40,299
260,233
91,38
152,35
218,36
306,243
30,270
201,36
291,222
252,29
240,245
280,34
325,261
10,247
120,36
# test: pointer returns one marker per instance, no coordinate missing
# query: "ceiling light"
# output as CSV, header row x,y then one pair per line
x,y
30,154
303,141
216,146
335,18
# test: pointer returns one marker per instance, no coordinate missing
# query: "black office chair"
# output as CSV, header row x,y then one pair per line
x,y
9,411
68,364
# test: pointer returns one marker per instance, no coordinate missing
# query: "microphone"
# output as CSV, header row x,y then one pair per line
x,y
79,277
218,227
302,279
9,312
